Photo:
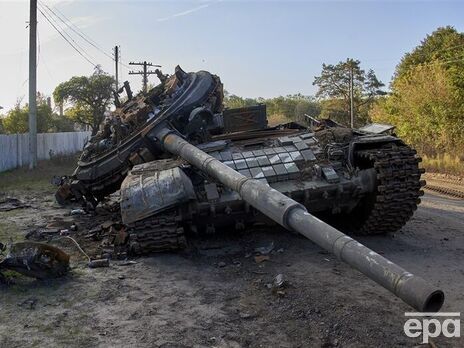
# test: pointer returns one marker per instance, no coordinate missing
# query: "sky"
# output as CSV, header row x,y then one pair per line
x,y
258,48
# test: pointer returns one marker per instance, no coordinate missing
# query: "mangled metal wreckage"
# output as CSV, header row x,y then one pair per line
x,y
184,164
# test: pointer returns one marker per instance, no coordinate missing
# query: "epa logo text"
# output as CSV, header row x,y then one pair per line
x,y
431,325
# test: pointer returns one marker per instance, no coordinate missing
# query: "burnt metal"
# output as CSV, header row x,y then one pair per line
x,y
290,214
245,119
36,260
186,166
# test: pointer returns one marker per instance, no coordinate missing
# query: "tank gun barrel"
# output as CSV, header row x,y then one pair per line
x,y
412,289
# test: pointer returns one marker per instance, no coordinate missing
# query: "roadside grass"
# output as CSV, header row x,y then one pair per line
x,y
444,164
38,179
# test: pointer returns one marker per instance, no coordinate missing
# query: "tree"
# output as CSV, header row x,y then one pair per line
x,y
17,119
2,117
445,44
335,83
89,97
426,103
233,101
279,109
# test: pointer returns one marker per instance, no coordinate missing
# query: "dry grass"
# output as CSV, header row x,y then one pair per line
x,y
275,119
446,164
38,179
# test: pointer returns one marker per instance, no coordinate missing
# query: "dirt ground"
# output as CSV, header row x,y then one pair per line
x,y
214,294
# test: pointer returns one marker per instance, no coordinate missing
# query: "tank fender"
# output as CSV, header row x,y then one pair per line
x,y
146,193
369,142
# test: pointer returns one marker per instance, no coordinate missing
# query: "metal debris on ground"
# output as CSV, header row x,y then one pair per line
x,y
99,263
279,285
127,263
279,281
9,203
36,260
64,232
42,233
77,212
264,250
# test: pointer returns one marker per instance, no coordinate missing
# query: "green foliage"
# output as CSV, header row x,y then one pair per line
x,y
279,109
17,119
89,97
334,86
444,44
427,99
2,128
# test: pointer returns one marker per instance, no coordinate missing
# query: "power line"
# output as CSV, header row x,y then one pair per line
x,y
66,21
62,29
145,72
64,37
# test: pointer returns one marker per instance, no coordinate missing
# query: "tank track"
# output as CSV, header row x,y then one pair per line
x,y
156,234
398,188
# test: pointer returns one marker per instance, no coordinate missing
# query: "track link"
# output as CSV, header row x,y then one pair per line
x,y
398,188
156,234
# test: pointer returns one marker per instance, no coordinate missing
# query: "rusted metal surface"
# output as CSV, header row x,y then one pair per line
x,y
36,260
247,118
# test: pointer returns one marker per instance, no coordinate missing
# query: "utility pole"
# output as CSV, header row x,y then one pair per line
x,y
145,72
351,96
116,61
33,84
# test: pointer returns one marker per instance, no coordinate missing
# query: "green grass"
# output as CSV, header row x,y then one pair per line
x,y
38,179
445,164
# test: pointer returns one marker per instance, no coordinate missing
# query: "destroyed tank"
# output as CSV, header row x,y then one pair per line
x,y
186,165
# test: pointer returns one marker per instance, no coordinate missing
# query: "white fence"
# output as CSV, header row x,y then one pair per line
x,y
14,149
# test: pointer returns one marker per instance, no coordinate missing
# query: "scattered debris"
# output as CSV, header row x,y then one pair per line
x,y
279,285
42,233
99,263
279,281
77,212
264,250
247,315
9,203
127,263
237,263
36,260
261,258
64,232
